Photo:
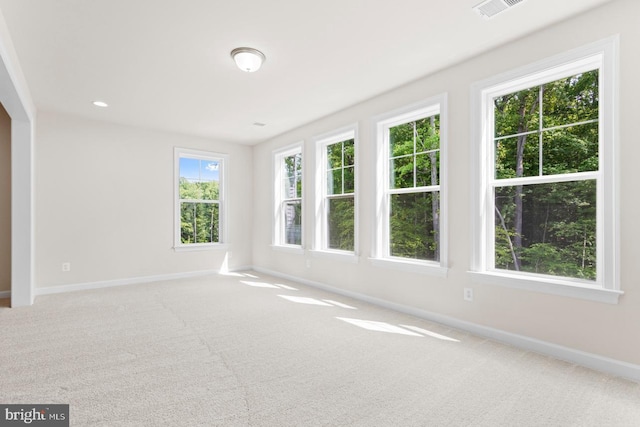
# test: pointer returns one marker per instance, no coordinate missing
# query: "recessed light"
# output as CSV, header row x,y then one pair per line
x,y
100,104
259,124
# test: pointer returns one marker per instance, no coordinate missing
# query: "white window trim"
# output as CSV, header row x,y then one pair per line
x,y
178,246
320,227
277,228
604,55
336,255
289,249
380,256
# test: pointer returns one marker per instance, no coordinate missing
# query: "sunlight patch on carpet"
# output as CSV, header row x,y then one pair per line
x,y
339,304
259,284
379,326
231,274
430,334
305,300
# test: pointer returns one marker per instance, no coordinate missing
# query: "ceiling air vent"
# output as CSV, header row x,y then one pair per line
x,y
491,8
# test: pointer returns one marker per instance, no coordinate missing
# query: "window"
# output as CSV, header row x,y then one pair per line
x,y
412,212
336,201
199,198
288,197
547,193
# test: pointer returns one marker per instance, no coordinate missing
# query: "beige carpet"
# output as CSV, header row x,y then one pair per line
x,y
257,351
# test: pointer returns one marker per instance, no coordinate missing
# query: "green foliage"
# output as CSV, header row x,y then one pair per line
x,y
199,222
558,233
568,103
199,211
414,156
548,228
414,153
412,229
341,181
292,176
341,227
190,190
341,167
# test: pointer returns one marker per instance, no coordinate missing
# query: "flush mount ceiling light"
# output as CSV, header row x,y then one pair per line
x,y
100,104
248,59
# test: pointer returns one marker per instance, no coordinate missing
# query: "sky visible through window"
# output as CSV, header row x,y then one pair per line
x,y
197,170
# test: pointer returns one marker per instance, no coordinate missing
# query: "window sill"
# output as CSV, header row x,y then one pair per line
x,y
343,256
202,247
413,266
548,286
290,249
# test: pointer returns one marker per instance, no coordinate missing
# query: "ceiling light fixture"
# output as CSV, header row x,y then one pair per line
x,y
100,104
248,59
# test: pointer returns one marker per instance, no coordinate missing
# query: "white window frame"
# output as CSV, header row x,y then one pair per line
x,y
606,288
278,227
381,254
320,246
223,160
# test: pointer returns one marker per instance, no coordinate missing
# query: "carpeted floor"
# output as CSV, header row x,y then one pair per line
x,y
252,350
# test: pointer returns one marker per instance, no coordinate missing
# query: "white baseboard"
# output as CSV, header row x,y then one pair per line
x,y
5,294
589,360
48,290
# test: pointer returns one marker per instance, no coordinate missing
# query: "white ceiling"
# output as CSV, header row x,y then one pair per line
x,y
165,64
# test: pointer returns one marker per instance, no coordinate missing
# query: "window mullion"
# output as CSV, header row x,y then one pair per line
x,y
531,132
195,224
515,135
540,125
340,196
409,190
342,165
415,158
545,179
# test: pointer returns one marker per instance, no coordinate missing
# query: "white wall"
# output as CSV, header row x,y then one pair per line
x,y
5,200
603,329
105,202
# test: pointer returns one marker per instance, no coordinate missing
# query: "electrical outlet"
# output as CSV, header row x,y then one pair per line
x,y
468,294
66,266
308,263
